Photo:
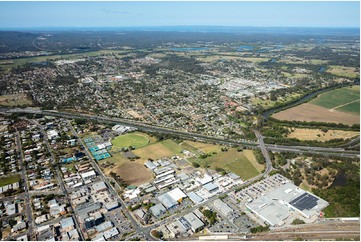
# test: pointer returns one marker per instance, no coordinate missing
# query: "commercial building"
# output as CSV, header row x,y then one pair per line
x,y
194,222
222,207
158,210
277,205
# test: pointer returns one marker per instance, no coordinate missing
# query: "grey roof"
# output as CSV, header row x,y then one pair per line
x,y
194,197
210,186
66,222
167,200
222,207
99,186
104,226
158,209
276,205
194,221
111,205
150,165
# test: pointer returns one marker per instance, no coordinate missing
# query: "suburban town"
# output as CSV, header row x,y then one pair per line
x,y
167,121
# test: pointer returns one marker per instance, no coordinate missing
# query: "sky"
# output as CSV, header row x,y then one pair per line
x,y
133,14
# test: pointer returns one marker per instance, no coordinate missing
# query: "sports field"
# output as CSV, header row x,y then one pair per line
x,y
240,163
133,139
336,106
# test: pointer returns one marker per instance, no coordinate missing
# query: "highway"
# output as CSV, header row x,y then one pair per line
x,y
341,152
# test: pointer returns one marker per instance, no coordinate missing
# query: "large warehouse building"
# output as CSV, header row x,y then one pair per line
x,y
278,204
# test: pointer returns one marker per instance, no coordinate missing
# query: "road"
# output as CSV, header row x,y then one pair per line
x,y
58,176
135,224
341,152
24,177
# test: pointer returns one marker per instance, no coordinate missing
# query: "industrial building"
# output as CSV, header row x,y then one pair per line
x,y
222,207
278,204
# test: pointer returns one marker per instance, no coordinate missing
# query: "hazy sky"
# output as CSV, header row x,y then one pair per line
x,y
114,14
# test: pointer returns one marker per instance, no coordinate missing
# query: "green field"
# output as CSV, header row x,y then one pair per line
x,y
172,146
133,139
9,180
343,99
165,148
232,161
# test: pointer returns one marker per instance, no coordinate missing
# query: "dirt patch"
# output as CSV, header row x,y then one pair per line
x,y
134,173
308,112
317,134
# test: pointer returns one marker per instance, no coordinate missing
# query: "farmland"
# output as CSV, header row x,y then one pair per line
x,y
336,106
350,72
339,99
319,135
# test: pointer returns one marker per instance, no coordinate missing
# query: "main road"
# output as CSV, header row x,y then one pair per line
x,y
341,152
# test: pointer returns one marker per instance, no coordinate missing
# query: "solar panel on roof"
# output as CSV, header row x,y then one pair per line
x,y
304,201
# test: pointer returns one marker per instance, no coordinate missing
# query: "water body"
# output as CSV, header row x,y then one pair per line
x,y
186,49
340,180
322,69
245,48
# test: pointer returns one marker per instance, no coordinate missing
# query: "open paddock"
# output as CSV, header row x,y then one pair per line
x,y
307,112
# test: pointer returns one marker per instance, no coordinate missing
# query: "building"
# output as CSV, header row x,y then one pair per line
x,y
211,187
67,223
52,134
99,186
158,210
194,222
172,198
111,205
222,207
195,198
277,205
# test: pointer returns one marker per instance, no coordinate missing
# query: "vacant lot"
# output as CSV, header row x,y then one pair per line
x,y
133,139
343,71
132,172
204,147
342,99
234,161
309,112
9,180
14,100
317,134
157,150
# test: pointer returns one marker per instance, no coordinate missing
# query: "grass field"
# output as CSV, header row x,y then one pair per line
x,y
317,134
340,99
14,100
343,71
133,139
204,147
9,180
336,106
165,148
234,161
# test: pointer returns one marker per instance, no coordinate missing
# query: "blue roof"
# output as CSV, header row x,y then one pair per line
x,y
210,186
194,197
